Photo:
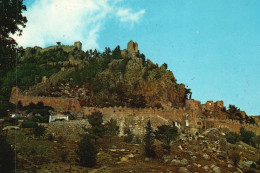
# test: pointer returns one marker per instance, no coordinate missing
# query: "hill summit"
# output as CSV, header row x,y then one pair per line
x,y
111,78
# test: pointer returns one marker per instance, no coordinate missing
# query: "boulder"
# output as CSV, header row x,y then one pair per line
x,y
247,163
212,134
184,162
184,170
176,162
205,156
216,169
194,158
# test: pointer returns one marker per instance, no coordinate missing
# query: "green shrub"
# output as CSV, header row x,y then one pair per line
x,y
232,137
97,129
253,165
86,152
50,137
29,124
64,156
39,131
149,137
235,157
166,134
111,128
248,137
129,135
6,156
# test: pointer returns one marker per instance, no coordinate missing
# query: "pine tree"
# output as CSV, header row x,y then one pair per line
x,y
7,155
149,137
97,128
111,128
87,152
166,134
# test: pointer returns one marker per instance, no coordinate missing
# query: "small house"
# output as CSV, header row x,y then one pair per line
x,y
58,117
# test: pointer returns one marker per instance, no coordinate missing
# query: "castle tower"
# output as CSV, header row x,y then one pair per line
x,y
14,95
78,45
132,47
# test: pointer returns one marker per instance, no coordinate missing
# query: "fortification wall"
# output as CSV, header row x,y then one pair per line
x,y
58,103
136,118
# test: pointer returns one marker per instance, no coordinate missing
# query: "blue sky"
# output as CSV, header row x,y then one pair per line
x,y
211,46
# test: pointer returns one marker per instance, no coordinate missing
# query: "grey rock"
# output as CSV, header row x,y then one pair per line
x,y
205,167
193,158
114,147
167,158
184,162
247,163
176,162
184,170
205,156
229,166
239,170
147,159
216,169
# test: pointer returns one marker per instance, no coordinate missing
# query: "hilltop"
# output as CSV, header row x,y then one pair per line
x,y
112,78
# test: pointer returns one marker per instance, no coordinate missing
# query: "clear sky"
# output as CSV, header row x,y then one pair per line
x,y
211,46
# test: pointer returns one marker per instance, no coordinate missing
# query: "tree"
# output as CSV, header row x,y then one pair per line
x,y
97,128
111,128
116,53
188,93
6,155
11,22
39,131
232,137
107,51
86,152
235,157
166,134
129,135
248,137
165,65
149,137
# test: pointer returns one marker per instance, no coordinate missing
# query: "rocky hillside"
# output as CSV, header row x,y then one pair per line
x,y
112,78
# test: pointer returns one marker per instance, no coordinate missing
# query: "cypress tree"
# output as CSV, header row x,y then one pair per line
x,y
149,137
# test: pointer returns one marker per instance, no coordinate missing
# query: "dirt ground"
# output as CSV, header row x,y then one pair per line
x,y
55,155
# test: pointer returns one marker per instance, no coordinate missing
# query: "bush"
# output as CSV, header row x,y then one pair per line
x,y
64,156
29,124
166,134
86,152
129,135
39,131
111,128
232,137
6,156
60,139
50,137
235,157
149,137
97,128
253,165
248,137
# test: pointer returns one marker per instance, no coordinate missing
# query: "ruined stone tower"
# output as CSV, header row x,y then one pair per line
x,y
78,45
132,47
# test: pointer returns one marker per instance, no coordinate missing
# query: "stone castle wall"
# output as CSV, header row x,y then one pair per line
x,y
136,118
58,103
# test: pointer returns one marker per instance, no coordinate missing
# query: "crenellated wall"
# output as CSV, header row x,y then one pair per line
x,y
136,118
58,103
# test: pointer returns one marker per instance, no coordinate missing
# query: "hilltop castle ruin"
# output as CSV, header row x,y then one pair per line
x,y
192,114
